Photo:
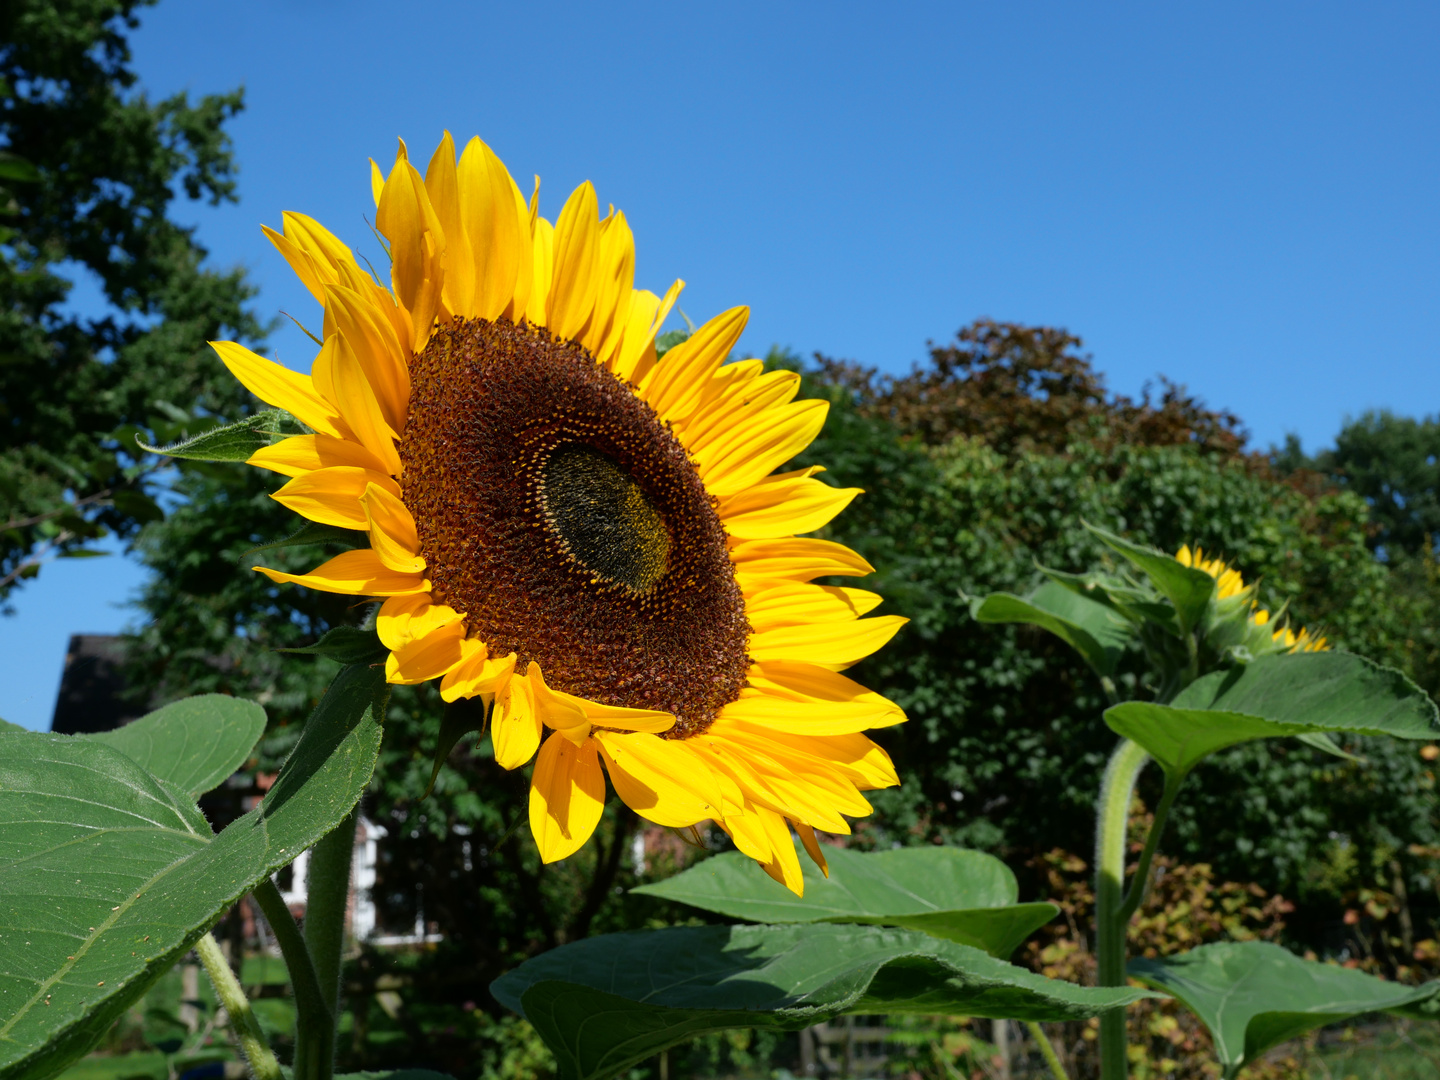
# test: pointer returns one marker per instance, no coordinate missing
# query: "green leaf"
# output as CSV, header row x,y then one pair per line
x,y
1321,741
1091,628
137,505
962,896
1253,995
1272,697
1190,590
195,744
348,645
231,442
399,1074
106,881
312,532
459,719
606,1003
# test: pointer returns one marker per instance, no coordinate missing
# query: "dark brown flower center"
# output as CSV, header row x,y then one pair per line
x,y
567,522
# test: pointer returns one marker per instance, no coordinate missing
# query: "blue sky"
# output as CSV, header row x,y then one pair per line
x,y
1239,196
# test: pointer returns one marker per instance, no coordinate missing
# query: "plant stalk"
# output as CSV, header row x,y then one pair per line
x,y
327,901
314,1019
1047,1050
263,1064
1140,883
1112,819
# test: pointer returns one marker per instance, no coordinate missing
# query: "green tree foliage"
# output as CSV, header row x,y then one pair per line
x,y
90,171
1393,463
1005,744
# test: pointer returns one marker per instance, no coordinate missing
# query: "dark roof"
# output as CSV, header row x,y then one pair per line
x,y
90,688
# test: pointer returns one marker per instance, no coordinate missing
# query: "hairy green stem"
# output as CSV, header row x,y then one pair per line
x,y
1047,1050
327,900
314,1019
1140,884
231,995
1116,791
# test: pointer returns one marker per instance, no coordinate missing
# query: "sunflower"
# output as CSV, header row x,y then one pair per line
x,y
585,535
1230,586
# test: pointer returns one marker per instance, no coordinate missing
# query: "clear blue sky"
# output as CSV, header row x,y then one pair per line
x,y
1239,196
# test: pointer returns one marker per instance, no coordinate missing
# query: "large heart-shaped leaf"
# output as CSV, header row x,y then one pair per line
x,y
1276,696
1190,590
1253,995
962,896
1097,632
605,1003
106,879
194,744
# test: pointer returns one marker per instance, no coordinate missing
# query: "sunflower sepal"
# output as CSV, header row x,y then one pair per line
x,y
309,534
346,645
235,442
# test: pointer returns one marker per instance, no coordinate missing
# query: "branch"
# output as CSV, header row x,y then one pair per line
x,y
21,523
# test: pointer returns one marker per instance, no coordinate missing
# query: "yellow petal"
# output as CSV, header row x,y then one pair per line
x,y
811,717
542,261
525,257
417,247
762,444
404,619
567,796
735,395
776,507
853,756
277,385
662,780
615,267
497,227
478,674
812,846
574,715
834,645
797,603
674,386
799,681
312,274
377,181
648,313
382,357
573,280
306,453
784,865
427,657
564,713
357,573
748,835
442,185
392,530
332,496
515,727
759,563
801,789
358,403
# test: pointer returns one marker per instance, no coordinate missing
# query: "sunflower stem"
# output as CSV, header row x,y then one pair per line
x,y
1047,1050
1112,820
244,1026
327,900
314,1021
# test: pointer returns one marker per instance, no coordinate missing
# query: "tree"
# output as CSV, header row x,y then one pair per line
x,y
1393,463
1021,388
90,173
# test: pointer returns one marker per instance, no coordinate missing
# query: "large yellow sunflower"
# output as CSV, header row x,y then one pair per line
x,y
590,539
